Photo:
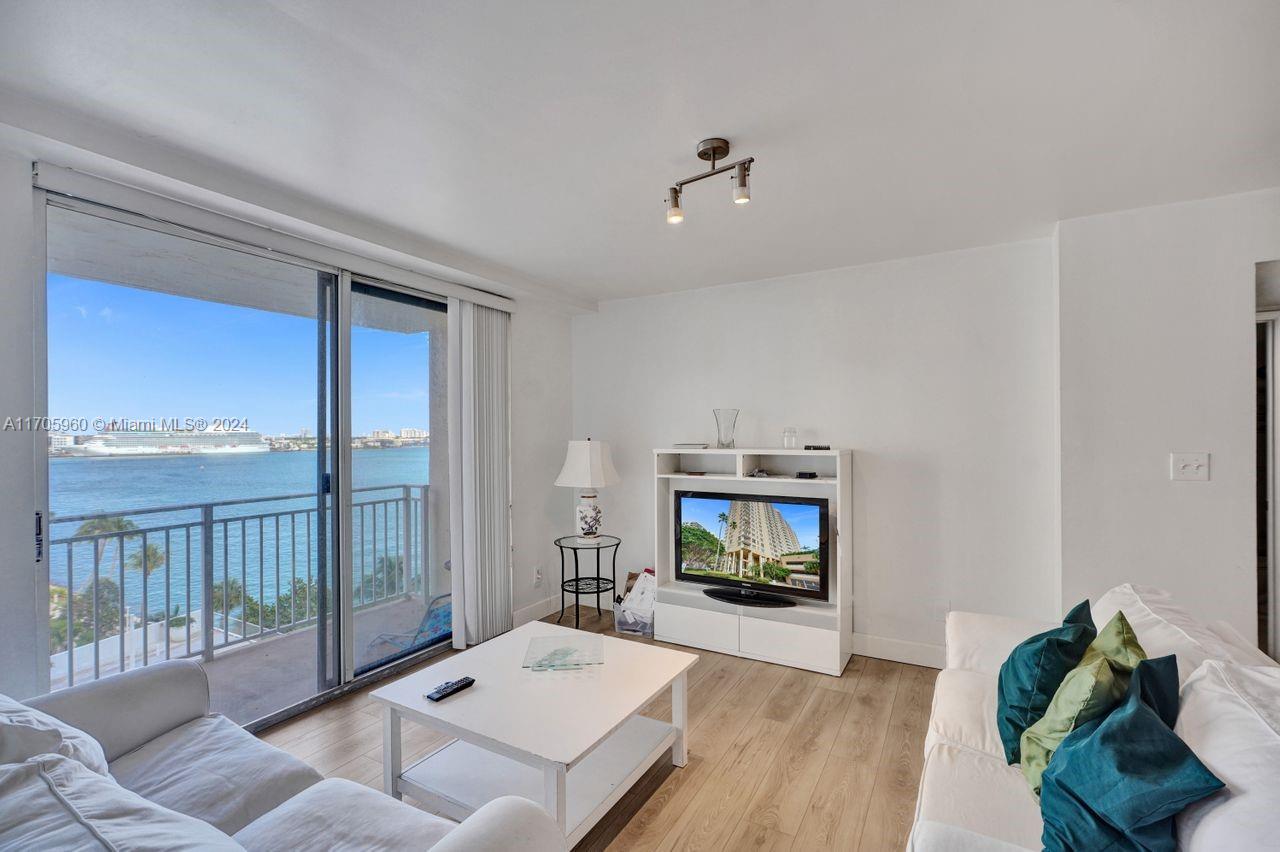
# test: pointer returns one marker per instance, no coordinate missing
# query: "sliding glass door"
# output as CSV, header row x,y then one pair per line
x,y
189,459
202,398
400,475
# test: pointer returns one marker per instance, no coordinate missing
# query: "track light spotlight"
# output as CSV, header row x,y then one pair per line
x,y
741,187
674,214
712,150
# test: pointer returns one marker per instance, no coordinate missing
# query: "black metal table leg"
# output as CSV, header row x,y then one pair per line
x,y
598,613
561,585
614,572
576,590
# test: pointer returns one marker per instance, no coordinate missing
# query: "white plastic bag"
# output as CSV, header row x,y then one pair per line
x,y
634,613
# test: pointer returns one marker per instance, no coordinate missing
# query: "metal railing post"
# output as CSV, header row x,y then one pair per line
x,y
206,573
406,555
424,547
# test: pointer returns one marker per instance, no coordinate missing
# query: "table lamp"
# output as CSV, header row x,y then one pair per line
x,y
588,465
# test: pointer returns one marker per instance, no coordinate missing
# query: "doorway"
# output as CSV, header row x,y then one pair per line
x,y
1264,408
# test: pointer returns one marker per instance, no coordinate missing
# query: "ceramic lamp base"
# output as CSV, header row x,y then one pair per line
x,y
589,515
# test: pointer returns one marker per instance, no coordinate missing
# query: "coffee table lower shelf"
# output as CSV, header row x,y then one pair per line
x,y
460,777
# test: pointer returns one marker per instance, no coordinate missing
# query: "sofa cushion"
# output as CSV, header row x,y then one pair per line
x,y
978,793
111,711
1031,675
341,814
1230,717
1165,628
1118,781
964,712
981,643
1090,690
505,824
214,770
929,836
26,732
1243,652
53,802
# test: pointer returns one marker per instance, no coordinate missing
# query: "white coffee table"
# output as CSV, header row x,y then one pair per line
x,y
573,741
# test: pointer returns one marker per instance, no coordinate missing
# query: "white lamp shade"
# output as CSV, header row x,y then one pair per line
x,y
588,464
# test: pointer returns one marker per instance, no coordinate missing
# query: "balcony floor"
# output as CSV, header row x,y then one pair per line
x,y
257,678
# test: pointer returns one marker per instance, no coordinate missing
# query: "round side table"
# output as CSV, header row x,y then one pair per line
x,y
580,586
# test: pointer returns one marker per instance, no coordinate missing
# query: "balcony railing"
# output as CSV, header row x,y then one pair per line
x,y
191,579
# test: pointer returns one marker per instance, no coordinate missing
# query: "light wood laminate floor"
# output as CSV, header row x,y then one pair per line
x,y
778,758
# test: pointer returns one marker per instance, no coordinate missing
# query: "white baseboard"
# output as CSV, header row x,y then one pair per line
x,y
535,611
899,650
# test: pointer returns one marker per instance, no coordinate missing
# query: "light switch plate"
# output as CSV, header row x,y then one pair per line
x,y
1189,467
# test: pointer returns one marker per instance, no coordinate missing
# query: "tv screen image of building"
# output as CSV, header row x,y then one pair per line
x,y
751,541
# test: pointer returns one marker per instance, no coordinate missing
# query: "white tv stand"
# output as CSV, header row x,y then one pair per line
x,y
814,635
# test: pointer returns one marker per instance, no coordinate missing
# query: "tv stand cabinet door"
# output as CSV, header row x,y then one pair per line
x,y
699,628
790,644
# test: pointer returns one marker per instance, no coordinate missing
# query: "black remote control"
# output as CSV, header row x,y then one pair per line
x,y
448,688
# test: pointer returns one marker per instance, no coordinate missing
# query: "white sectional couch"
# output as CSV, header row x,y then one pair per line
x,y
969,798
154,769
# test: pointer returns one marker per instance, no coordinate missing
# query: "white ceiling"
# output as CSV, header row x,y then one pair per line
x,y
539,137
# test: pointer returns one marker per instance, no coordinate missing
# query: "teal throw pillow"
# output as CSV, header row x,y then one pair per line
x,y
1117,782
1033,673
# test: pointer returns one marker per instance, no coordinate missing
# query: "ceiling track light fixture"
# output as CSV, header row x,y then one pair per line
x,y
712,150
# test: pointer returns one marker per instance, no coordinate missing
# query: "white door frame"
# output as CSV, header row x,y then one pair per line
x,y
1268,319
40,437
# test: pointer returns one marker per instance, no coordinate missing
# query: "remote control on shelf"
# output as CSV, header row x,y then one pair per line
x,y
448,688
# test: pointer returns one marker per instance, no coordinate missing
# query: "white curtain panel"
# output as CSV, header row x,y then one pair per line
x,y
479,472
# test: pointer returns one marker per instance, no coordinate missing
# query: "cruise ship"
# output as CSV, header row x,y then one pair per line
x,y
173,443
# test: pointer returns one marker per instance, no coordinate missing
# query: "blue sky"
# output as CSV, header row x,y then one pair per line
x,y
121,352
703,510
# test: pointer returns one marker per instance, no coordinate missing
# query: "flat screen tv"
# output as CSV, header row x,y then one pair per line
x,y
775,545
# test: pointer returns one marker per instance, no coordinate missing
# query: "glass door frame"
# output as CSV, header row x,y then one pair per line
x,y
377,288
335,646
329,651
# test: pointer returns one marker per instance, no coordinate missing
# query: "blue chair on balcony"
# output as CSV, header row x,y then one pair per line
x,y
436,622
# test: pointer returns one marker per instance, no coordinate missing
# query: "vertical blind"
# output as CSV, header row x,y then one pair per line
x,y
479,442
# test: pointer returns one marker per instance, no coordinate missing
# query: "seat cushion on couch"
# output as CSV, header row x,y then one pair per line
x,y
941,836
1165,628
26,732
977,793
964,712
214,770
337,814
1230,718
52,802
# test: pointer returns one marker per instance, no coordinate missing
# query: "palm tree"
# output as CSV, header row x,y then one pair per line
x,y
733,525
723,519
103,528
155,558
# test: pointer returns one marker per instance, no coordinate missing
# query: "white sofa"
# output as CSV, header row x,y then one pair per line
x,y
180,777
969,798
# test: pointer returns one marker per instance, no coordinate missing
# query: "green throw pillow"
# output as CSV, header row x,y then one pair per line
x,y
1031,675
1090,690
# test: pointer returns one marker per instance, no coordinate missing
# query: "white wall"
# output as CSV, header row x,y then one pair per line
x,y
541,424
1157,313
938,371
23,633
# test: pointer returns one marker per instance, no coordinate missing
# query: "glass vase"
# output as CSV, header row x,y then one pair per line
x,y
726,421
